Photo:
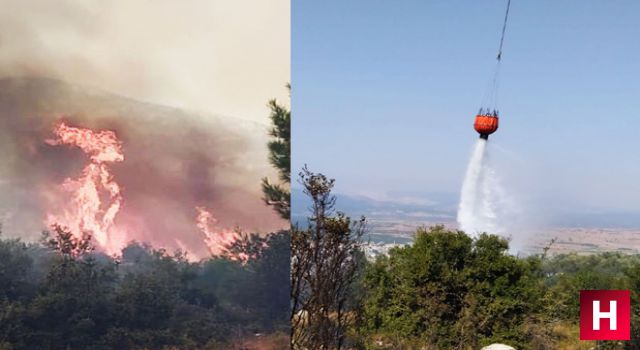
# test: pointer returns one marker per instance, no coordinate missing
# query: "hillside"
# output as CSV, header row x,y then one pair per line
x,y
175,160
393,220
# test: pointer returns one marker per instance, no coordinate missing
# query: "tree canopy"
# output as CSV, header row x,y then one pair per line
x,y
59,294
447,290
278,195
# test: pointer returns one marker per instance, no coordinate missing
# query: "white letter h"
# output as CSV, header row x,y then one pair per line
x,y
611,315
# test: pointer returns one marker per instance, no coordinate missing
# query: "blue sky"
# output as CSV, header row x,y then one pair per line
x,y
384,95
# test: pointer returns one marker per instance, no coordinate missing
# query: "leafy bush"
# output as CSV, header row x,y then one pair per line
x,y
451,291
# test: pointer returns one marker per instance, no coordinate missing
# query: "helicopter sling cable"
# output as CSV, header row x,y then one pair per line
x,y
486,122
482,205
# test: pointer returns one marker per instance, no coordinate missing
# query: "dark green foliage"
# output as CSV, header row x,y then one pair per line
x,y
65,296
574,272
451,291
15,263
566,274
279,195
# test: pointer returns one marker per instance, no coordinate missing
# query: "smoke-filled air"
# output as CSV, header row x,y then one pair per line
x,y
134,130
142,198
124,170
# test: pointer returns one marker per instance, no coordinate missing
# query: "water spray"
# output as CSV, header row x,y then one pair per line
x,y
481,194
481,191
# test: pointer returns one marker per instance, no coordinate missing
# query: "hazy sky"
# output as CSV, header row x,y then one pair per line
x,y
384,95
225,57
219,57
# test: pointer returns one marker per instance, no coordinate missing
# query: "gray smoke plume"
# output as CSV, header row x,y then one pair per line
x,y
174,161
219,56
117,65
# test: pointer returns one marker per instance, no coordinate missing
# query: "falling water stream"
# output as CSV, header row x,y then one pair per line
x,y
482,195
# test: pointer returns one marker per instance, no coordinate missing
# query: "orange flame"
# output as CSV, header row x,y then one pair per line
x,y
218,240
85,211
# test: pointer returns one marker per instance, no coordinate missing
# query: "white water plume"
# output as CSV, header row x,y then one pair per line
x,y
483,201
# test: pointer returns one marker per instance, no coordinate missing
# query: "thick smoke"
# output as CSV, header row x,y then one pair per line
x,y
116,65
174,162
226,57
484,204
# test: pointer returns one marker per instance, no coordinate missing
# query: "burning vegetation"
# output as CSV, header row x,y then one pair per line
x,y
133,256
218,240
95,197
124,170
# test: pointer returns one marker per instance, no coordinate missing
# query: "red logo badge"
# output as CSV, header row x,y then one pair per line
x,y
605,315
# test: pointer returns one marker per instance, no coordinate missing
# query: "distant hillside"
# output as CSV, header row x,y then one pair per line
x,y
174,160
393,219
415,206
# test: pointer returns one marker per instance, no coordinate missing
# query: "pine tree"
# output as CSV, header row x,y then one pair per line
x,y
278,195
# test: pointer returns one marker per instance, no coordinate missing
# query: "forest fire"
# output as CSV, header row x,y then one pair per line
x,y
95,197
218,240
